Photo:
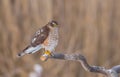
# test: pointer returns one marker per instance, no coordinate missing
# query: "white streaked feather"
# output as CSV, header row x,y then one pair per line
x,y
33,40
37,33
33,49
41,30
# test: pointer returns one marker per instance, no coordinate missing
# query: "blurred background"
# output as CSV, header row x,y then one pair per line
x,y
90,27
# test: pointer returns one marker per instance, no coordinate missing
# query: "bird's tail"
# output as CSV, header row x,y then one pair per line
x,y
21,54
29,50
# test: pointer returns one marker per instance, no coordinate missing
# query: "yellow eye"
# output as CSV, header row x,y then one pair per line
x,y
54,23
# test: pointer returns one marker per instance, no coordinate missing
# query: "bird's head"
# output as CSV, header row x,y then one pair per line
x,y
53,23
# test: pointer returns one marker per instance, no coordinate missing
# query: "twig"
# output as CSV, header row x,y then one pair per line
x,y
113,72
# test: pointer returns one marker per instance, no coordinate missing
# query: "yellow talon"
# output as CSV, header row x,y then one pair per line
x,y
45,55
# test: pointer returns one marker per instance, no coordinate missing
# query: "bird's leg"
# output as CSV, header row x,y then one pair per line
x,y
45,55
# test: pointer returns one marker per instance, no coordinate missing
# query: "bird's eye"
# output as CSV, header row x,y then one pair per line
x,y
54,24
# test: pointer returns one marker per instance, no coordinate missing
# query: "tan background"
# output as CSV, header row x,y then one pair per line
x,y
90,26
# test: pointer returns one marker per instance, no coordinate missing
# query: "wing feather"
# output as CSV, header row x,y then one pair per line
x,y
40,36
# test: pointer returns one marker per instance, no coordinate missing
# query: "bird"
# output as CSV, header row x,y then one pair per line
x,y
45,38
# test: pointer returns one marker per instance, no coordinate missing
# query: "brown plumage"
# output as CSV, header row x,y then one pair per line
x,y
40,36
43,38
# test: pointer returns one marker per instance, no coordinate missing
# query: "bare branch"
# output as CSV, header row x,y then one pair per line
x,y
116,68
96,69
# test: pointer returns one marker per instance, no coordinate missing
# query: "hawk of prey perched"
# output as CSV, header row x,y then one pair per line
x,y
45,38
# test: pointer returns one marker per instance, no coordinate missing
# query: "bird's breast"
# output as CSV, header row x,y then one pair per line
x,y
52,40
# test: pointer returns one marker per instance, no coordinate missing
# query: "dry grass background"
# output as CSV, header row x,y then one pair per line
x,y
90,26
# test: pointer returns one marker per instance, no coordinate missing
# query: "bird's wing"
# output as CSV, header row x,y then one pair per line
x,y
40,36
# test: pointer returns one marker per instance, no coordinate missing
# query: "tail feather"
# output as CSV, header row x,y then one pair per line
x,y
29,50
21,54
